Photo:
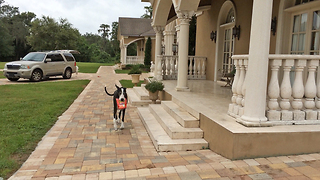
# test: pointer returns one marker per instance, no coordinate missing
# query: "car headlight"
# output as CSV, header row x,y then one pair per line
x,y
24,67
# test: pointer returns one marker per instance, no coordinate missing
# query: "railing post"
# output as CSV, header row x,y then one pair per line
x,y
274,91
286,91
298,91
232,107
311,90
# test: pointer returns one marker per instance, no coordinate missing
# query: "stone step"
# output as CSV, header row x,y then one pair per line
x,y
171,126
160,138
186,107
184,118
136,101
141,93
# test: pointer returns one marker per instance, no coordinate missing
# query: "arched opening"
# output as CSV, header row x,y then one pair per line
x,y
225,40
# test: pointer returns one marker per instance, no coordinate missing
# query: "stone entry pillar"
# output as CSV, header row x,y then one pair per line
x,y
256,82
158,67
184,18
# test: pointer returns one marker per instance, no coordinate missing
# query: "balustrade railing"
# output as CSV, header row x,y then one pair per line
x,y
293,94
169,67
135,60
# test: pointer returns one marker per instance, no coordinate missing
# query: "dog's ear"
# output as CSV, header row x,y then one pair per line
x,y
117,86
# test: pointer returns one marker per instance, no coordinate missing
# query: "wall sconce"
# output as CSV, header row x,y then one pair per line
x,y
274,26
236,31
175,48
213,36
163,48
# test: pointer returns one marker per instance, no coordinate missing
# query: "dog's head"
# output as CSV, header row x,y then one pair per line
x,y
121,93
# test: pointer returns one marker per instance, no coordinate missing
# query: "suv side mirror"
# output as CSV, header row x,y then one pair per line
x,y
47,60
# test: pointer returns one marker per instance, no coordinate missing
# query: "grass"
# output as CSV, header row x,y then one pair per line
x,y
128,83
86,67
28,111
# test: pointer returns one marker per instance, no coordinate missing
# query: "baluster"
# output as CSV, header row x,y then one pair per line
x,y
274,91
239,85
203,69
243,90
199,61
298,91
167,66
232,107
286,91
190,67
311,90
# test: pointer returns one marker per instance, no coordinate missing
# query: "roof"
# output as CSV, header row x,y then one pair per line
x,y
137,27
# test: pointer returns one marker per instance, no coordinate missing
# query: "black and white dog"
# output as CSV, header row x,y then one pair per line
x,y
120,95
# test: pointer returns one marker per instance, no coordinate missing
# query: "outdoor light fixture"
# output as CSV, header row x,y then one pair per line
x,y
274,26
236,31
213,36
163,48
174,48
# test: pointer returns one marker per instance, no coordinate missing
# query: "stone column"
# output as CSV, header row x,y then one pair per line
x,y
169,38
256,82
184,18
158,67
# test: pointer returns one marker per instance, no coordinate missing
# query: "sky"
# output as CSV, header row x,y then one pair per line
x,y
84,15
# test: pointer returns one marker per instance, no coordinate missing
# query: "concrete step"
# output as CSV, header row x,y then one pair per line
x,y
160,138
136,101
186,107
141,93
184,118
171,126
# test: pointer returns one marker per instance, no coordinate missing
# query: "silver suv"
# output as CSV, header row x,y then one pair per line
x,y
38,65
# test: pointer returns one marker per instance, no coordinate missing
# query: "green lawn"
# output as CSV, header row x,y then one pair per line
x,y
86,67
128,83
28,111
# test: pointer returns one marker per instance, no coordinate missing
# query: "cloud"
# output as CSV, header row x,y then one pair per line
x,y
85,15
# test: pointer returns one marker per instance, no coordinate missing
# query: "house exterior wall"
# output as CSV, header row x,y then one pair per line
x,y
208,22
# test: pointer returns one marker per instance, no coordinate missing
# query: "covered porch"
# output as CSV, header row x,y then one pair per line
x,y
210,101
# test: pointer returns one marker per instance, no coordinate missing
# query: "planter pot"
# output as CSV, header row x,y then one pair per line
x,y
153,96
135,78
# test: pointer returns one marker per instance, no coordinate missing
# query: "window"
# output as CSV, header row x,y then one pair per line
x,y
302,1
305,31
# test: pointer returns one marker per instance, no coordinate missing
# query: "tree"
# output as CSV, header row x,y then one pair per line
x,y
148,13
104,30
47,34
147,53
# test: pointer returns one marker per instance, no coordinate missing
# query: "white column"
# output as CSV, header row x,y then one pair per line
x,y
125,54
158,67
184,18
255,102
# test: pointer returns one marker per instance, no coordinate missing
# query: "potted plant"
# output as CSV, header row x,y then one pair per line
x,y
154,87
135,73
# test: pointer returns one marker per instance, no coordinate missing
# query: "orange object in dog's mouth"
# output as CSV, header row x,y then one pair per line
x,y
121,104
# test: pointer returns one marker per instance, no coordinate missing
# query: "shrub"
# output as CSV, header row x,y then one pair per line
x,y
154,86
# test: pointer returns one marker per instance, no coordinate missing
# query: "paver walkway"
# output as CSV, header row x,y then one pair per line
x,y
83,145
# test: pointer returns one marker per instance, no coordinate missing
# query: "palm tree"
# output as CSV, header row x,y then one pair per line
x,y
104,29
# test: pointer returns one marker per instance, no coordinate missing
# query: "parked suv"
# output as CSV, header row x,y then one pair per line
x,y
38,65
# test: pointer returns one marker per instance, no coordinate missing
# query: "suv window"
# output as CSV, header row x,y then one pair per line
x,y
55,57
68,56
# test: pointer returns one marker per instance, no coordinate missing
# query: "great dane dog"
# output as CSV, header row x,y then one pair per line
x,y
119,103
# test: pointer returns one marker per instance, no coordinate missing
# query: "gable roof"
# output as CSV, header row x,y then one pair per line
x,y
136,27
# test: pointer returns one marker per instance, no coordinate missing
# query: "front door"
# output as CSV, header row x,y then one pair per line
x,y
228,44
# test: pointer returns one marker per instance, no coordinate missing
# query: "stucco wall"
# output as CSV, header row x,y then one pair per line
x,y
208,22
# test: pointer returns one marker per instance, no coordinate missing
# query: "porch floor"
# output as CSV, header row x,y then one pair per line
x,y
210,101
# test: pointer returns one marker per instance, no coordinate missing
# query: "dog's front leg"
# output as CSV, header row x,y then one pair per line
x,y
115,119
122,121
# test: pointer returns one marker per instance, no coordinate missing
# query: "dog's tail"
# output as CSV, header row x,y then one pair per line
x,y
105,88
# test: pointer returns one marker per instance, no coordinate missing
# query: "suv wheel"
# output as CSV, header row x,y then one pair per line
x,y
67,74
36,75
13,79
